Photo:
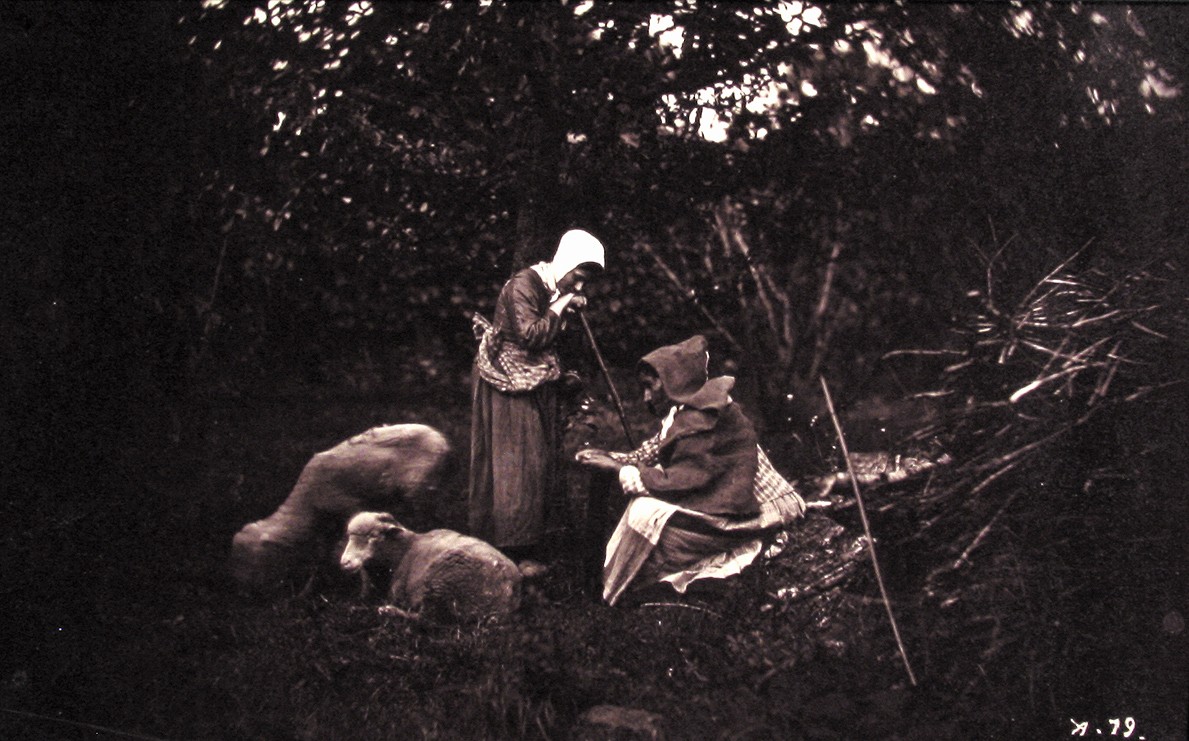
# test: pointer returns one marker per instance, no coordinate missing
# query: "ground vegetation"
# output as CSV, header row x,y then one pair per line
x,y
236,234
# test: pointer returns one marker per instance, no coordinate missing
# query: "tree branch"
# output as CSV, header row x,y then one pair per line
x,y
689,294
763,287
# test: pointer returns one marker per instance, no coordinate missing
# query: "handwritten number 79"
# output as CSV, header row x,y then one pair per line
x,y
1079,729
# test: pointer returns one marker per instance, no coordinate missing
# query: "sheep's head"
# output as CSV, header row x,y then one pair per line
x,y
367,532
261,555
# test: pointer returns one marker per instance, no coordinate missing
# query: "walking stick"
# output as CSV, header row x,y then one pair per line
x,y
600,482
627,432
867,529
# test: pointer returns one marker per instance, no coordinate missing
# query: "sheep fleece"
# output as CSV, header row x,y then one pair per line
x,y
376,468
445,573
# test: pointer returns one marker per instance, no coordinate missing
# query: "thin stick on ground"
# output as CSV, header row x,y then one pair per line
x,y
683,606
962,559
883,592
80,724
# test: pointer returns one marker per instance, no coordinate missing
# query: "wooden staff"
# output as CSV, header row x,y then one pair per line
x,y
601,482
607,376
867,529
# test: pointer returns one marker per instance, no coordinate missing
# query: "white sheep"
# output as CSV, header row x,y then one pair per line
x,y
377,469
440,574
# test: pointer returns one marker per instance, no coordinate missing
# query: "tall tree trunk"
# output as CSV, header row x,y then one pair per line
x,y
528,217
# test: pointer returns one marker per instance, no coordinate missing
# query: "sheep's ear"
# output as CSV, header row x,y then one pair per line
x,y
385,519
387,523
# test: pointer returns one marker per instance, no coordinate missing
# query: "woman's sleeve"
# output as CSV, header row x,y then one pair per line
x,y
692,468
646,455
535,326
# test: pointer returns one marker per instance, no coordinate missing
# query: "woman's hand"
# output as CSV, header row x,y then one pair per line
x,y
574,301
598,459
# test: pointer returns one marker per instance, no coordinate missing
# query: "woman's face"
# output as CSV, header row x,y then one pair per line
x,y
654,393
575,280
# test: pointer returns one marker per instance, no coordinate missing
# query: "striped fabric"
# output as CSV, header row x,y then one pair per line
x,y
506,365
780,504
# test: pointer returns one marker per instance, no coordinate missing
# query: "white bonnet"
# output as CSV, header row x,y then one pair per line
x,y
576,248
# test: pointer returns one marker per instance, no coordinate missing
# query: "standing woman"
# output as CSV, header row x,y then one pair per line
x,y
515,426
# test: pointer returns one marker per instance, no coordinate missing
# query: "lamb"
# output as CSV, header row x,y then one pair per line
x,y
381,468
441,575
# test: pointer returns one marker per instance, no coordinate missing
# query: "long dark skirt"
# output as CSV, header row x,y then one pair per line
x,y
515,445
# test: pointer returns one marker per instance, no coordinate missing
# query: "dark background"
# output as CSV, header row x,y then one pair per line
x,y
197,297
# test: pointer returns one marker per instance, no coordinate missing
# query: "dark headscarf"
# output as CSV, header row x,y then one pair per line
x,y
683,370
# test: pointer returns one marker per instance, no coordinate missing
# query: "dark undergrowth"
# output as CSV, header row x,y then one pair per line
x,y
120,619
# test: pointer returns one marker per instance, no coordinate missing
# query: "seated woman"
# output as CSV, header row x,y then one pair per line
x,y
703,493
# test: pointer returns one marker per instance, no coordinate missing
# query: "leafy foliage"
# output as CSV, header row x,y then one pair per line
x,y
779,174
310,197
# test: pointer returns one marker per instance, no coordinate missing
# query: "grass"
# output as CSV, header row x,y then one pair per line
x,y
121,618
